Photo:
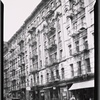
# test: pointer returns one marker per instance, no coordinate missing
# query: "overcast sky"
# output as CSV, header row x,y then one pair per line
x,y
15,13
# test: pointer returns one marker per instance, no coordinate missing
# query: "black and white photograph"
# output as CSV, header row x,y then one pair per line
x,y
48,50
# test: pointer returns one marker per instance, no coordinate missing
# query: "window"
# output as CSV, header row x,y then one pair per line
x,y
52,4
85,43
43,13
72,70
68,30
51,41
53,37
58,25
37,79
47,77
79,68
40,63
88,68
55,56
38,19
59,37
84,38
77,46
57,74
92,17
83,20
46,60
62,73
47,8
52,75
45,44
70,50
40,53
34,80
35,22
41,79
13,73
60,54
31,82
44,37
75,26
27,82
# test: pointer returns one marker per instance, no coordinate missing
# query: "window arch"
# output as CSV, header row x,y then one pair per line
x,y
47,77
62,73
57,73
41,79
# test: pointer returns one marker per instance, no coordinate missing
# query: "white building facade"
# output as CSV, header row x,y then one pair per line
x,y
52,55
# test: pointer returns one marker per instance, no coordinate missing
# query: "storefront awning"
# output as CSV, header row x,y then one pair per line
x,y
82,85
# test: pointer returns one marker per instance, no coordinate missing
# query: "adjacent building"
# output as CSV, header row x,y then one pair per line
x,y
51,56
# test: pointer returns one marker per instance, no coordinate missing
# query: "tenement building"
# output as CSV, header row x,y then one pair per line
x,y
51,56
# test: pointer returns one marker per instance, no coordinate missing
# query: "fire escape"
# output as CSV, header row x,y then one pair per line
x,y
33,55
21,64
73,10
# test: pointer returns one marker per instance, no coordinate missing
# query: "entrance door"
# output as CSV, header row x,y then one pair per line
x,y
47,95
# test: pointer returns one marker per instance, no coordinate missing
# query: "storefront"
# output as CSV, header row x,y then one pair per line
x,y
83,90
64,93
58,91
41,97
51,93
21,94
48,93
34,93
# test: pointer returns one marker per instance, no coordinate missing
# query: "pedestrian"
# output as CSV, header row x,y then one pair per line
x,y
72,98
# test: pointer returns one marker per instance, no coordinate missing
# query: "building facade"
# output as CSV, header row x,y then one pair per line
x,y
51,56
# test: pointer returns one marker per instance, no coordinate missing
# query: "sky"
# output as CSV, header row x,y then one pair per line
x,y
15,13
